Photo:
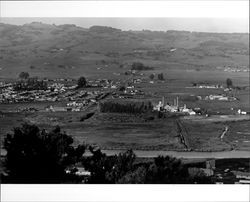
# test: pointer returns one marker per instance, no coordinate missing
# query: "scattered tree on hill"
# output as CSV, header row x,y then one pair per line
x,y
229,83
24,75
152,76
37,156
161,76
81,82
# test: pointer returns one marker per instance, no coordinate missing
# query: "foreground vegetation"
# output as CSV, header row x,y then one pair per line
x,y
38,156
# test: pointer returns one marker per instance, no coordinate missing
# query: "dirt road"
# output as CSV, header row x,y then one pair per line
x,y
217,118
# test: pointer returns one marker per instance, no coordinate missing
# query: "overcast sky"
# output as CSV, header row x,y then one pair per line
x,y
157,24
204,16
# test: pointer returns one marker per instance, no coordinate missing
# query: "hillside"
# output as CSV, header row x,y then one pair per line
x,y
69,50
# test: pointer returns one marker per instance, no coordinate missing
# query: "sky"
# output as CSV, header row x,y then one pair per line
x,y
203,16
227,25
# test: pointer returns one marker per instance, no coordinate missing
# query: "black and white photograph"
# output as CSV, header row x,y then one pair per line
x,y
98,95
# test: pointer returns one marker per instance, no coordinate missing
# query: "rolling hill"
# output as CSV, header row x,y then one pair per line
x,y
68,50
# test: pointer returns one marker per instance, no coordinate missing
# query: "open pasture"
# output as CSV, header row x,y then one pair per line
x,y
123,131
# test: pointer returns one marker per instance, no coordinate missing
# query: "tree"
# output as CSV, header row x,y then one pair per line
x,y
24,75
161,76
108,169
123,168
166,170
122,88
37,156
31,84
152,76
134,177
140,66
98,165
229,83
137,66
81,82
123,164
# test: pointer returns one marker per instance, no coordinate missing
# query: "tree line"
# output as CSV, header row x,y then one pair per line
x,y
125,107
140,66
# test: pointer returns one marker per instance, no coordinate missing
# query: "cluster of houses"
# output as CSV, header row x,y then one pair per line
x,y
208,171
220,98
138,80
104,83
76,105
162,107
241,112
239,176
210,86
55,92
242,177
235,69
130,91
10,95
5,85
71,106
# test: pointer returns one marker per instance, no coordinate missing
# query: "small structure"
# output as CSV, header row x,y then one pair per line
x,y
242,175
82,172
193,171
55,109
173,108
241,112
220,98
210,164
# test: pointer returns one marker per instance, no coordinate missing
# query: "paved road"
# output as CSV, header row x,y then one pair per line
x,y
187,155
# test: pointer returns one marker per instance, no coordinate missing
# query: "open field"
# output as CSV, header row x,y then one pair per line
x,y
115,131
121,131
